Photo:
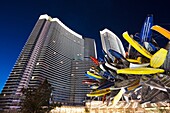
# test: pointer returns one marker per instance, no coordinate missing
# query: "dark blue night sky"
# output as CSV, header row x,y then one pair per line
x,y
86,17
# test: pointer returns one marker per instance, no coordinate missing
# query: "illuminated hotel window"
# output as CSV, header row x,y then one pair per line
x,y
37,63
77,67
53,41
32,77
4,95
55,53
72,74
61,62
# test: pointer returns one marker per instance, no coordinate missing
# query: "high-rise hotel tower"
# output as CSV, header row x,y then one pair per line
x,y
55,52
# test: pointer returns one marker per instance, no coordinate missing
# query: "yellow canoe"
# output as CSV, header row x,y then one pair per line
x,y
158,58
136,45
94,75
134,60
139,71
99,92
118,96
162,31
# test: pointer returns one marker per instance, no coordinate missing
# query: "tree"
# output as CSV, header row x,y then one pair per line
x,y
37,100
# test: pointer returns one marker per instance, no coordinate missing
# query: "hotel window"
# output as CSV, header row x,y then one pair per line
x,y
32,77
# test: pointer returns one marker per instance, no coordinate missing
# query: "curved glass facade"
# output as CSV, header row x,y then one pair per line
x,y
52,52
